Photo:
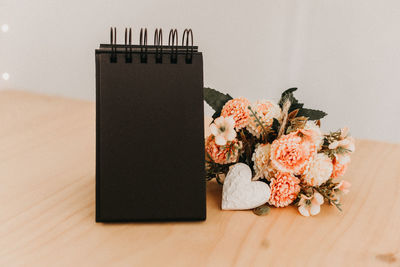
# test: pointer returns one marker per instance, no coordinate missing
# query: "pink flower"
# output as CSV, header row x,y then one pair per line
x,y
310,205
238,109
284,189
265,111
340,163
291,153
223,130
223,154
343,186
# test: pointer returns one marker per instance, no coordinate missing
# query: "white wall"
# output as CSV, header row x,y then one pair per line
x,y
344,55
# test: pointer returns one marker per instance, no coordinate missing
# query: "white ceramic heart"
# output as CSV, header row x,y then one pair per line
x,y
240,193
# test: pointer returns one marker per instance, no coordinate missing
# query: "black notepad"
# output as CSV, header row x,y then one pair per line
x,y
149,130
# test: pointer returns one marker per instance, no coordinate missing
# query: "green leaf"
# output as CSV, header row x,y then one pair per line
x,y
311,114
262,210
216,100
288,94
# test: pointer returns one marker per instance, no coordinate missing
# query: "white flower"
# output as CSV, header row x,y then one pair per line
x,y
261,158
265,111
345,141
344,132
317,135
223,130
320,170
310,205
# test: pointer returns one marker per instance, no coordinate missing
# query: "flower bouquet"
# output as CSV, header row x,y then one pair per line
x,y
274,154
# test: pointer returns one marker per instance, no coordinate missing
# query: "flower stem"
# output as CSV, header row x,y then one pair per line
x,y
258,121
328,198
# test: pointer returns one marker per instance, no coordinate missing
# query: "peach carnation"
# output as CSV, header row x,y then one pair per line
x,y
292,153
228,153
319,171
340,163
284,189
315,132
261,159
238,108
266,111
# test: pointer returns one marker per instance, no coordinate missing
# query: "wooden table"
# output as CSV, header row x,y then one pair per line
x,y
47,176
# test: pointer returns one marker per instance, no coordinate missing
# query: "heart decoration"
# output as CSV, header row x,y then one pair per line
x,y
240,193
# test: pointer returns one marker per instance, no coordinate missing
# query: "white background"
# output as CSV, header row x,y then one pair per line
x,y
344,55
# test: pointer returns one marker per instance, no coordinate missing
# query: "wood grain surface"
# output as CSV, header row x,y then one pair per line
x,y
47,192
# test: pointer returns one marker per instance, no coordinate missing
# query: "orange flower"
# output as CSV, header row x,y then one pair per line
x,y
340,163
238,108
292,153
223,154
284,189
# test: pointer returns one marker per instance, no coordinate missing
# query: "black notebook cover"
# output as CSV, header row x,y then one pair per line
x,y
149,138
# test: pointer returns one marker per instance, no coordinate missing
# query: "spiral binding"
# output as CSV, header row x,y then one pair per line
x,y
186,33
128,55
173,39
143,45
113,42
158,44
158,47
